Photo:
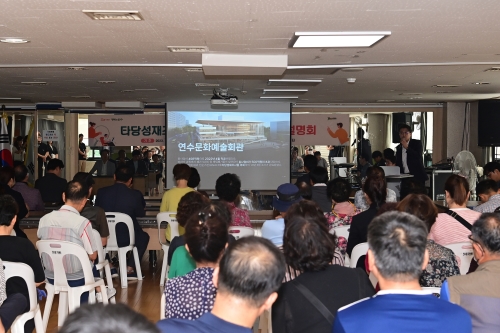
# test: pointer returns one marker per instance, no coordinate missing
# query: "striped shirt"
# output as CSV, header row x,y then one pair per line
x,y
66,224
447,230
490,205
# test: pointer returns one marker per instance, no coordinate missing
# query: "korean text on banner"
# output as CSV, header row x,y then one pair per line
x,y
320,129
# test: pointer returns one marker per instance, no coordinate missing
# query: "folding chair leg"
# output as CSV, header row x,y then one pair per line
x,y
62,311
38,321
163,269
137,264
109,281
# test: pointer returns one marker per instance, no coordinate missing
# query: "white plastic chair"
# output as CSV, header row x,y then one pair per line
x,y
240,232
168,217
464,254
16,269
432,290
103,265
342,231
162,306
69,297
114,219
358,251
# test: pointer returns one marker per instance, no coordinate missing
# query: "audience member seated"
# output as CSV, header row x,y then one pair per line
x,y
66,224
99,318
321,161
309,210
31,196
121,198
338,191
171,198
21,250
51,185
442,262
104,166
286,195
10,307
157,167
94,214
411,186
309,248
389,157
375,190
396,257
492,171
248,276
122,159
310,163
6,183
454,225
182,262
479,292
190,203
487,191
305,190
378,158
297,163
194,181
227,188
137,165
363,166
192,295
360,198
319,178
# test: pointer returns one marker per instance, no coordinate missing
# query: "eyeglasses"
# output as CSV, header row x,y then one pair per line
x,y
472,239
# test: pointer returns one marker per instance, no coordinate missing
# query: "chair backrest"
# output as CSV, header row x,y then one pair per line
x,y
13,233
391,170
342,231
432,290
100,249
358,251
464,254
57,250
170,218
114,219
240,232
13,269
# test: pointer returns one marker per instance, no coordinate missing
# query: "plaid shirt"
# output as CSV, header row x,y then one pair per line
x,y
66,224
490,205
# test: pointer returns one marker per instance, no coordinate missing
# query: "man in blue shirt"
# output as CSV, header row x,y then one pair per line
x,y
397,256
249,274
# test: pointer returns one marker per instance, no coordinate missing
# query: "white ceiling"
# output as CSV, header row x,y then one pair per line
x,y
459,37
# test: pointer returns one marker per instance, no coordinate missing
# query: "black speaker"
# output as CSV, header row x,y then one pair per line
x,y
398,119
488,120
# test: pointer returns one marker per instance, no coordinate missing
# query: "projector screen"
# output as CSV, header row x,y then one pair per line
x,y
252,142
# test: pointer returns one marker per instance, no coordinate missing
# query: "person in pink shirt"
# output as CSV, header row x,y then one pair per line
x,y
228,188
454,225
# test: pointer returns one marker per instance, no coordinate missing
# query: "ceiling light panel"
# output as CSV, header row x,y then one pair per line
x,y
294,82
279,97
338,39
188,49
124,15
281,91
206,84
12,40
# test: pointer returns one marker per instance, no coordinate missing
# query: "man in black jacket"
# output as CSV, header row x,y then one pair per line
x,y
409,155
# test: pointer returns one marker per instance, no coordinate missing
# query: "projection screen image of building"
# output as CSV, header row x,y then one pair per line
x,y
253,145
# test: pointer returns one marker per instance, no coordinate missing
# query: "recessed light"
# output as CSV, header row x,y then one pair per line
x,y
127,15
195,69
77,68
207,94
493,69
81,96
385,100
189,49
294,82
296,91
410,94
127,91
10,98
279,97
35,83
106,82
446,85
338,39
11,40
480,83
417,97
352,69
207,84
146,89
443,92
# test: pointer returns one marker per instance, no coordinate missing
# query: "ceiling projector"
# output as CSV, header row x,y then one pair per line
x,y
224,98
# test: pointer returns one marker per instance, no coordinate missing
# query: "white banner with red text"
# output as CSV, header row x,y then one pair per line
x,y
320,129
